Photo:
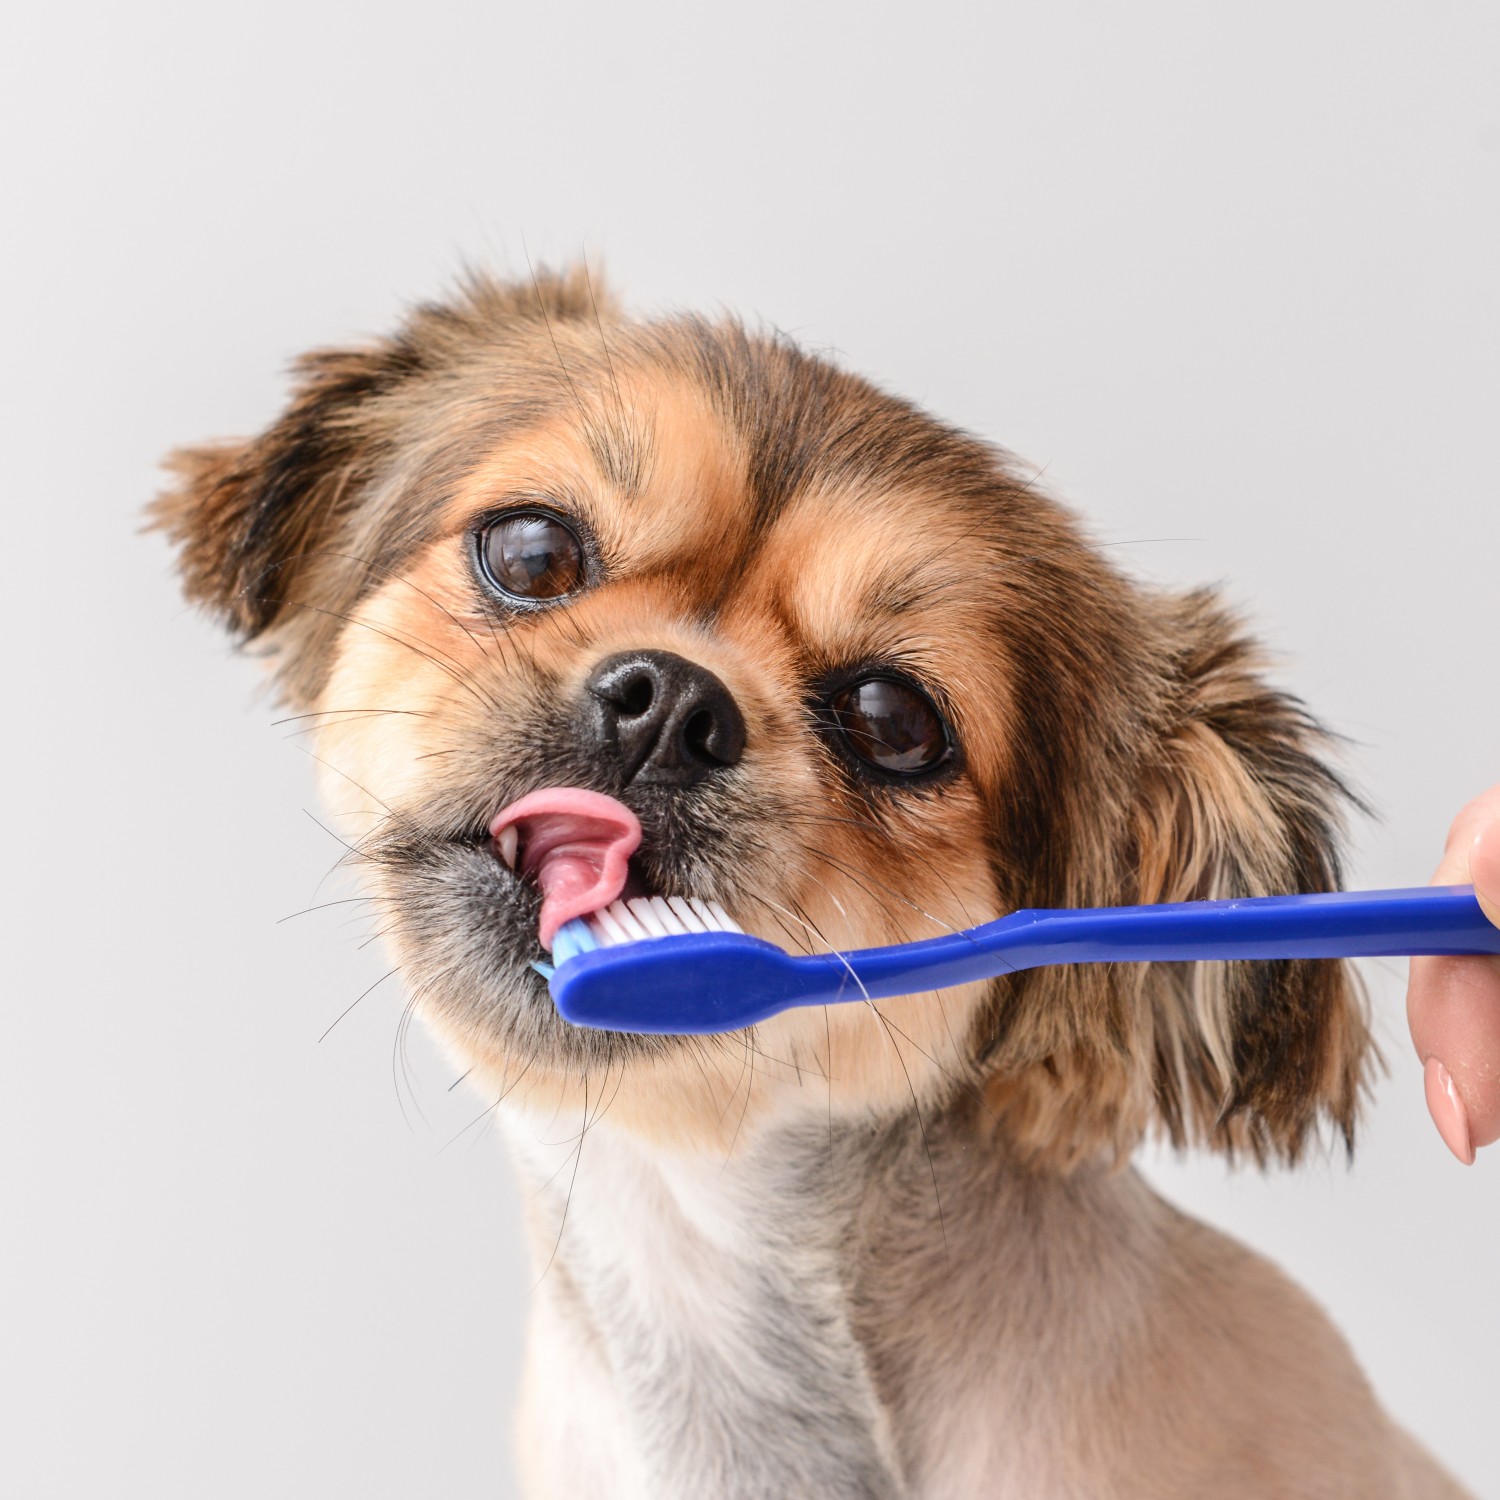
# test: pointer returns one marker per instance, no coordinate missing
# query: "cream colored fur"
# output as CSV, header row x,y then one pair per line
x,y
715,1324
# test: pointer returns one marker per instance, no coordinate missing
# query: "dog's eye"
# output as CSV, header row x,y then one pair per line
x,y
531,555
891,725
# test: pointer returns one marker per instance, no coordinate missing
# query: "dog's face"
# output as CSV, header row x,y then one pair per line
x,y
856,679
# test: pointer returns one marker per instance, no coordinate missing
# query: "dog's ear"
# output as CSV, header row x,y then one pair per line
x,y
1239,801
248,516
258,523
1230,795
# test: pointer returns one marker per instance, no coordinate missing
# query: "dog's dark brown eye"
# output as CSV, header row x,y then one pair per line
x,y
532,556
891,725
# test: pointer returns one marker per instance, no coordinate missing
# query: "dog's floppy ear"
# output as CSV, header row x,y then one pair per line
x,y
1229,796
259,523
1239,801
247,516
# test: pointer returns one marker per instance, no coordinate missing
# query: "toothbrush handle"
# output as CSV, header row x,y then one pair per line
x,y
719,981
1341,924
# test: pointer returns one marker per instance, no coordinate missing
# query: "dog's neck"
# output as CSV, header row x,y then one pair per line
x,y
809,1313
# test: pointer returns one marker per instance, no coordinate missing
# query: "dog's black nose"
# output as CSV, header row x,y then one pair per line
x,y
670,721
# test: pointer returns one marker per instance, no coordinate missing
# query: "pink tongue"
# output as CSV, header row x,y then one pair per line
x,y
576,845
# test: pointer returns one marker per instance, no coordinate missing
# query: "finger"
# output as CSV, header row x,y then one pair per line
x,y
1479,815
1484,869
1453,1004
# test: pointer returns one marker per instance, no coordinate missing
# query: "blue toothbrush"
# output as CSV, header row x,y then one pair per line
x,y
681,966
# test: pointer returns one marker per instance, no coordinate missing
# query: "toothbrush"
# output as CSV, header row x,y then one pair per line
x,y
676,966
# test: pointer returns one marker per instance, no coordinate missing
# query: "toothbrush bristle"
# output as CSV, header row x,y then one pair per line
x,y
669,918
686,912
643,917
629,921
722,917
641,909
606,927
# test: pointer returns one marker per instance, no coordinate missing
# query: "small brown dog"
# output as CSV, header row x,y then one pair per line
x,y
860,683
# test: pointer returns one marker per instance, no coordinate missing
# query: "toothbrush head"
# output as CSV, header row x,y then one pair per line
x,y
688,985
668,966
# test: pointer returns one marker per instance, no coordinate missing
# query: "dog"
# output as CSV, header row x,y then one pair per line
x,y
537,571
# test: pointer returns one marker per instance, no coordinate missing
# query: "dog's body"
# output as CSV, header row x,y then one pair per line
x,y
794,1321
548,583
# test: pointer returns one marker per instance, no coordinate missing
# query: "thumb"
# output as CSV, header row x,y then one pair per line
x,y
1453,1004
1484,869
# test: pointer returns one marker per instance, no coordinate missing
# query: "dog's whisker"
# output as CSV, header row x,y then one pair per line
x,y
373,938
937,1195
745,1109
401,578
928,869
696,1053
486,1113
906,1073
401,1068
325,905
573,1179
388,973
358,786
860,880
781,1062
335,837
356,713
968,1085
445,666
827,946
828,1074
372,567
739,1079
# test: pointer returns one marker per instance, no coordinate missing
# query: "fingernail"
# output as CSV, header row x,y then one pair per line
x,y
1484,870
1448,1112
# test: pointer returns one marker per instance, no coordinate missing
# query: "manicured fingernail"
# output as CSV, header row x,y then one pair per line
x,y
1484,869
1448,1112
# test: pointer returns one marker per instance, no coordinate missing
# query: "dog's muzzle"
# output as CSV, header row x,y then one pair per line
x,y
664,720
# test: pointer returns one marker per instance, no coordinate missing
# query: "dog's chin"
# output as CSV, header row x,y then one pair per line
x,y
464,927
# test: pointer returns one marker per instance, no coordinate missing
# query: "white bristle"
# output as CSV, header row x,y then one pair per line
x,y
722,917
628,920
690,919
641,910
607,929
668,918
645,917
705,913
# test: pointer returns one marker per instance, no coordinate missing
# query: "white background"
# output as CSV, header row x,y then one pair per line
x,y
1227,272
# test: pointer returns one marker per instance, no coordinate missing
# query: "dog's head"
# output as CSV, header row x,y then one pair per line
x,y
858,681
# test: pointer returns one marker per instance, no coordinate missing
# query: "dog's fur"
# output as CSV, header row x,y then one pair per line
x,y
870,1250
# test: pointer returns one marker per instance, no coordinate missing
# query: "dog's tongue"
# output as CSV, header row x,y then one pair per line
x,y
576,845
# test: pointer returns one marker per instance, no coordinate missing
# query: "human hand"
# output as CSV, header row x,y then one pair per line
x,y
1453,1004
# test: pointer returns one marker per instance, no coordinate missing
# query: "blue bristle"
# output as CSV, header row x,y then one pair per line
x,y
572,938
545,970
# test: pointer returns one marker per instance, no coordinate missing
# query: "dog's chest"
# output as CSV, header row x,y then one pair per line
x,y
696,1330
790,1321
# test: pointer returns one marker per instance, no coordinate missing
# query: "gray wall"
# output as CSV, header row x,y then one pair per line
x,y
1226,272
